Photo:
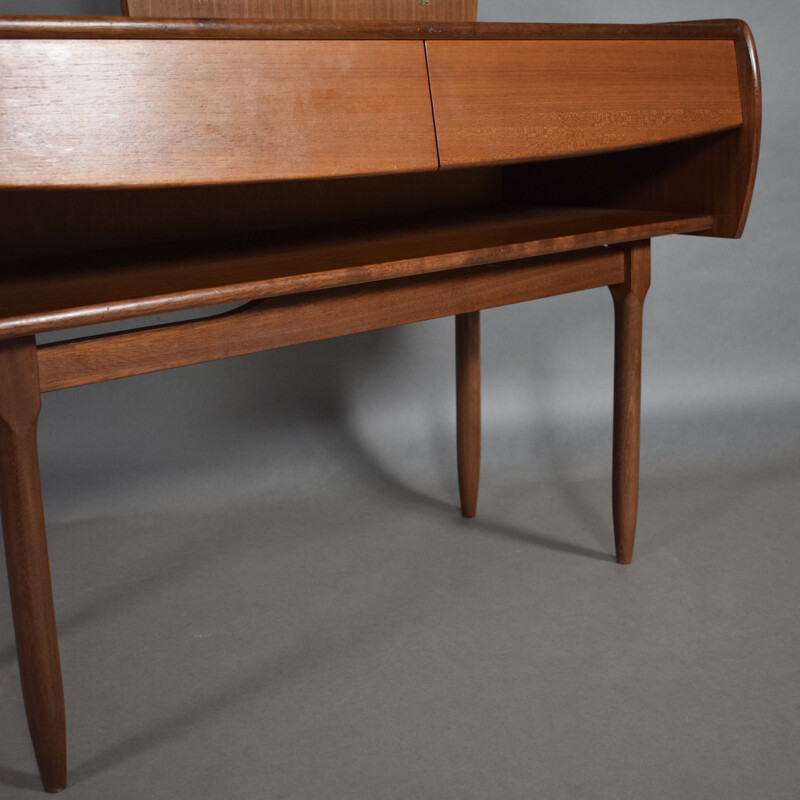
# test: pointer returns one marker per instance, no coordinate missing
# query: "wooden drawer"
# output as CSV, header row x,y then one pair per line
x,y
500,101
169,112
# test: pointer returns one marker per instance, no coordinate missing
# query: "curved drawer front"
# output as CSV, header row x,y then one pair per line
x,y
498,101
168,112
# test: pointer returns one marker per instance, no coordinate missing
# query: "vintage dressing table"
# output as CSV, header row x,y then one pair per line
x,y
334,177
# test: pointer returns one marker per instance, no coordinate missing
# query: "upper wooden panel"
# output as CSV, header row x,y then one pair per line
x,y
520,100
445,10
165,112
709,174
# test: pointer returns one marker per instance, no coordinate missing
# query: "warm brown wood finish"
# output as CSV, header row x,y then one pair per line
x,y
468,409
40,295
312,316
628,304
155,165
584,97
711,174
454,10
27,562
26,27
737,160
71,221
132,113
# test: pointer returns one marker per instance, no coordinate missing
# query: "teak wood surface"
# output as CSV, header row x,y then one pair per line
x,y
27,27
468,409
715,173
628,304
584,97
27,560
451,10
53,294
311,316
324,174
222,112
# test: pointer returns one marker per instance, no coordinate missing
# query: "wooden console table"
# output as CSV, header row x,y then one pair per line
x,y
335,178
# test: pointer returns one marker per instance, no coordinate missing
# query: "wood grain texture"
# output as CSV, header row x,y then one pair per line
x,y
27,27
733,178
628,305
147,113
516,100
27,560
313,316
710,175
123,284
453,10
468,409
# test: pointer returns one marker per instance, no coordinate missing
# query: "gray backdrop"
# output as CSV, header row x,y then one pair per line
x,y
333,464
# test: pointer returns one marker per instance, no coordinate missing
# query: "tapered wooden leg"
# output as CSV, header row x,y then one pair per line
x,y
628,304
468,408
27,561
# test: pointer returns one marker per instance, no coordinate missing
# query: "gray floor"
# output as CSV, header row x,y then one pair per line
x,y
359,639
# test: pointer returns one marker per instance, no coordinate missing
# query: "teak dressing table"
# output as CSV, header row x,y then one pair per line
x,y
334,177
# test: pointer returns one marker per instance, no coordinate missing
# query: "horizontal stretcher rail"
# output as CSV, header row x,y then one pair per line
x,y
313,316
129,283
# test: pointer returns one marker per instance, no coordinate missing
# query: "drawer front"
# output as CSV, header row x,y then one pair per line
x,y
503,101
170,112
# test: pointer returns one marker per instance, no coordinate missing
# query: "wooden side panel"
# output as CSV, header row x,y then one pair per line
x,y
444,10
709,175
82,113
522,100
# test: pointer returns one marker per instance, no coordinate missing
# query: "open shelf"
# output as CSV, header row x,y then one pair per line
x,y
57,293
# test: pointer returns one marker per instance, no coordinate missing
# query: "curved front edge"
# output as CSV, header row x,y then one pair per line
x,y
749,137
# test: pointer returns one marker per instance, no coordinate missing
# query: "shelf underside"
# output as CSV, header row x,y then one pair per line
x,y
59,293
